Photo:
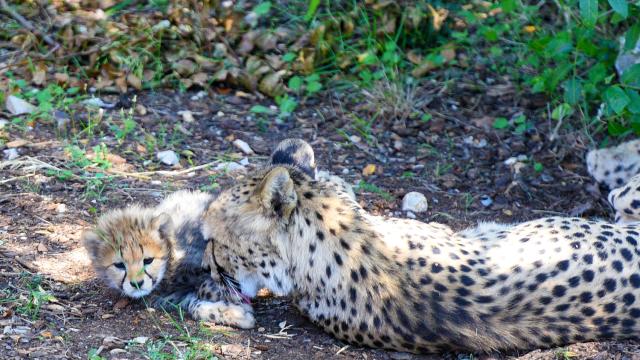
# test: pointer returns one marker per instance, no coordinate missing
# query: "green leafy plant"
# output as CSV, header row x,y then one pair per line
x,y
368,187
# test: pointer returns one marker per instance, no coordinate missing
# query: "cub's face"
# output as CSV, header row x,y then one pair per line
x,y
248,233
130,249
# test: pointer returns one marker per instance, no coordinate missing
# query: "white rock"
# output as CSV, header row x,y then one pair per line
x,y
229,166
243,146
97,102
156,182
164,24
187,116
16,330
486,201
219,114
244,162
411,215
17,106
3,123
510,161
140,339
61,208
168,157
415,202
355,138
11,154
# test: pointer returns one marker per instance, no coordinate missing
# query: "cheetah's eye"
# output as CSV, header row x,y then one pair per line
x,y
147,261
120,265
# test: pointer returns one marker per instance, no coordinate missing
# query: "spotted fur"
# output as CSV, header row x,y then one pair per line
x,y
615,166
625,200
141,250
423,287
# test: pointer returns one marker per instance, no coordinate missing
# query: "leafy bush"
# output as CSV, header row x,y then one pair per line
x,y
568,51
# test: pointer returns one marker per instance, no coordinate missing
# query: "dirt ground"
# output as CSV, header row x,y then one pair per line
x,y
456,159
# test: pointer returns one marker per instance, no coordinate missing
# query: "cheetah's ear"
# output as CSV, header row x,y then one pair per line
x,y
297,153
163,224
91,242
276,192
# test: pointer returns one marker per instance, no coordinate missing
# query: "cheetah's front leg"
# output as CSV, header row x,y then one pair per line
x,y
217,304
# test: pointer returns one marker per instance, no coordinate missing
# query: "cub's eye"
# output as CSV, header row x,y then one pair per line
x,y
147,261
120,265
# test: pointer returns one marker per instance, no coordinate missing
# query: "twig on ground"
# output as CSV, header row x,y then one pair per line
x,y
16,178
28,25
31,164
342,349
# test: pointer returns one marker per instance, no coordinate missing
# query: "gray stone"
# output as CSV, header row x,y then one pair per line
x,y
415,202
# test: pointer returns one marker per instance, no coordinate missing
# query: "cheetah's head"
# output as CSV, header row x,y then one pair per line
x,y
130,249
248,223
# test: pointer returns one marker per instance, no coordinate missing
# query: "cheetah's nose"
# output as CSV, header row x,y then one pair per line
x,y
137,285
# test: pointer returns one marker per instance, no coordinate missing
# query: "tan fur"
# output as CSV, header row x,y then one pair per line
x,y
129,236
616,165
625,201
422,287
168,237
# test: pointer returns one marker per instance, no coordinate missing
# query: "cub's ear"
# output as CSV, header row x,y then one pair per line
x,y
163,224
276,192
91,242
295,152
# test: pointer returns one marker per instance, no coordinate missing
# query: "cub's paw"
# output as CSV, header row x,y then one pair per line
x,y
236,315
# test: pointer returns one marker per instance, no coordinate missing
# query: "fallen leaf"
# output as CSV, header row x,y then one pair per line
x,y
39,77
134,81
121,84
422,69
414,57
448,53
272,85
369,170
437,17
185,67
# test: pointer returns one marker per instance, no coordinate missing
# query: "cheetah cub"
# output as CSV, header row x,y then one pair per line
x,y
145,250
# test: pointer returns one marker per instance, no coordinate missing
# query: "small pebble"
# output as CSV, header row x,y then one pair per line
x,y
10,154
229,166
243,146
61,208
187,116
415,202
168,157
486,201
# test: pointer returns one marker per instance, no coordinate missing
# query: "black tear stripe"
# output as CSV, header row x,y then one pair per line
x,y
123,278
150,277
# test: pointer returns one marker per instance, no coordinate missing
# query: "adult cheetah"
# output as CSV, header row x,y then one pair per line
x,y
422,287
